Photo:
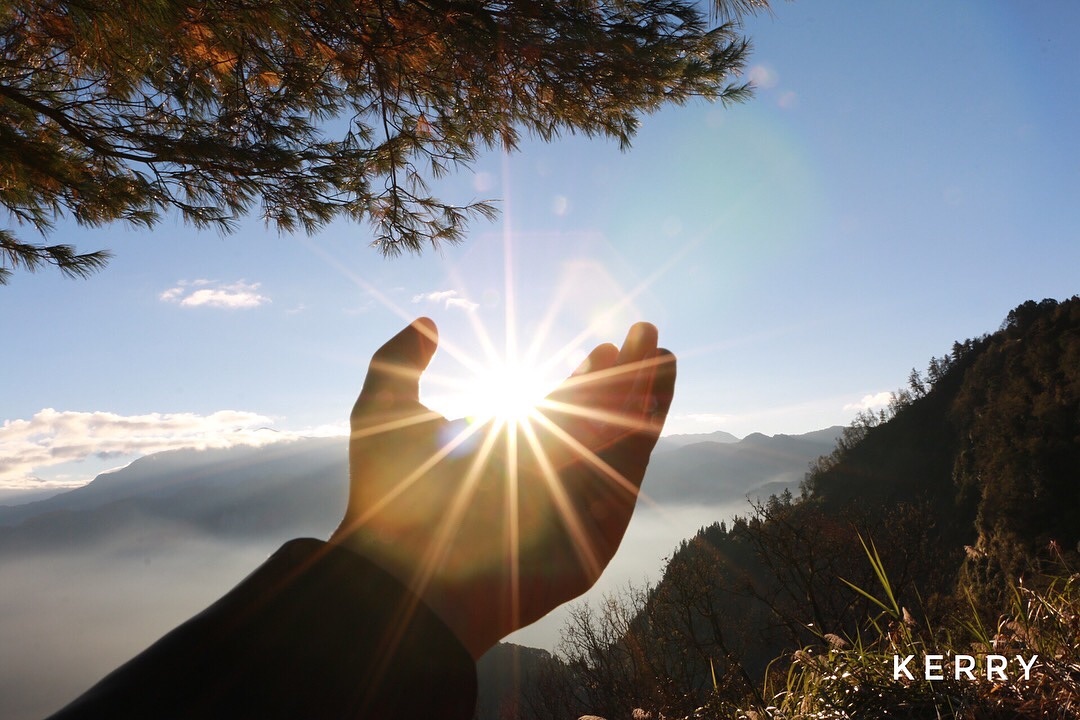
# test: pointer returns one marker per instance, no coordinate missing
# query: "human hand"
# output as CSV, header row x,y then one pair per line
x,y
495,525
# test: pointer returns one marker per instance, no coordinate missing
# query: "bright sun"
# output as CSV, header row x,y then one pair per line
x,y
506,392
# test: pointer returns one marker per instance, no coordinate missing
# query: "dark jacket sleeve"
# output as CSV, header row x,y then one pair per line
x,y
315,632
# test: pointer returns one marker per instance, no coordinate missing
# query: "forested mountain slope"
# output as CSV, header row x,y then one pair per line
x,y
989,438
969,481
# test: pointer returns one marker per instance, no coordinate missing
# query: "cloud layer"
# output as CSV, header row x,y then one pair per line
x,y
52,438
208,293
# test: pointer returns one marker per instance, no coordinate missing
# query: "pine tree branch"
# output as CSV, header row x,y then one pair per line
x,y
15,255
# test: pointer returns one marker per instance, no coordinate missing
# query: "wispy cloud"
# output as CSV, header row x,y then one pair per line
x,y
209,293
51,438
766,78
763,76
870,402
446,298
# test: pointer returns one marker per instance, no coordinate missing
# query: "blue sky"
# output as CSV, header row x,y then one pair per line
x,y
906,174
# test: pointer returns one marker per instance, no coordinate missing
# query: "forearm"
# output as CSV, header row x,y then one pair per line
x,y
316,631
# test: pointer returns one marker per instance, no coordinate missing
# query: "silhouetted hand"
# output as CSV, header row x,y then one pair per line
x,y
495,525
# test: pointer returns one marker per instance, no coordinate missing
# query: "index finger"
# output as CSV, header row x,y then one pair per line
x,y
394,373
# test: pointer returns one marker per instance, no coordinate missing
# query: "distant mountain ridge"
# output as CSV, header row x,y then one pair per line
x,y
670,442
309,475
272,493
758,465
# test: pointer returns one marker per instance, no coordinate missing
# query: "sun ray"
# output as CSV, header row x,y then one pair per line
x,y
508,363
592,458
598,377
518,375
543,329
449,347
397,424
604,416
509,302
576,529
513,528
408,481
560,355
356,279
483,337
444,534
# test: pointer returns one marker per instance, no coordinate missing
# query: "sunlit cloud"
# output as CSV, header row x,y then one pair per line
x,y
461,303
871,402
763,77
53,438
436,297
208,293
446,298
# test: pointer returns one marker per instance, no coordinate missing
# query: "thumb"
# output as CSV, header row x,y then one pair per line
x,y
394,373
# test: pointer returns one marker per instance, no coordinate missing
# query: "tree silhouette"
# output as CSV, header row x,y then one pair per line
x,y
306,111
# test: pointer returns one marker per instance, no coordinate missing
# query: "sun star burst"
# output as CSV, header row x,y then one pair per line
x,y
506,392
503,395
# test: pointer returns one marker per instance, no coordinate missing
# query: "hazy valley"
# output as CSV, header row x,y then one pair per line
x,y
93,575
